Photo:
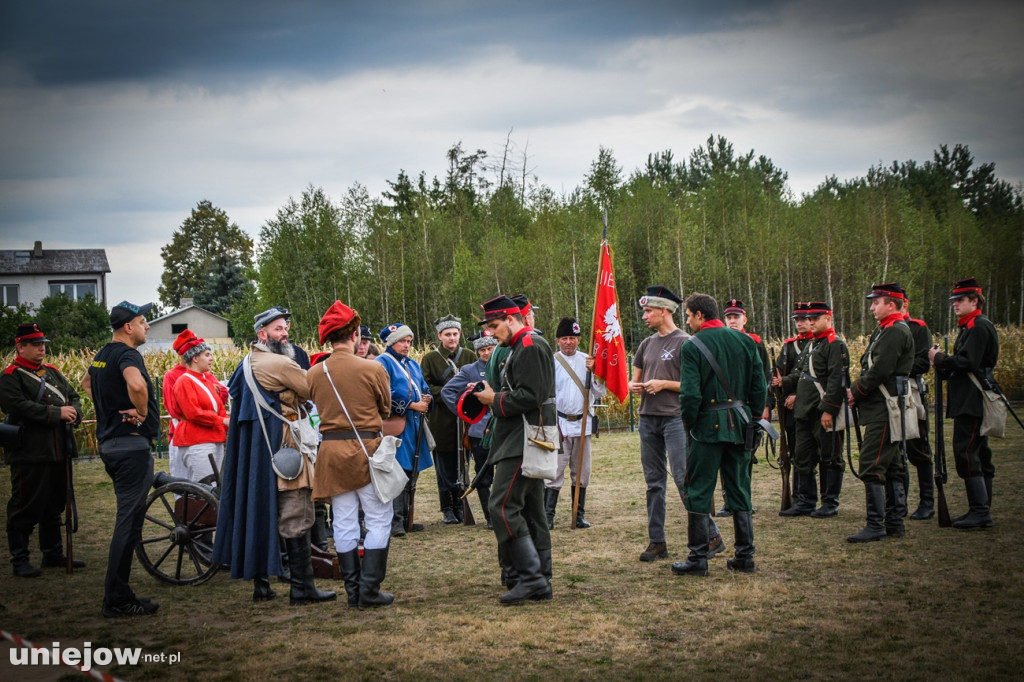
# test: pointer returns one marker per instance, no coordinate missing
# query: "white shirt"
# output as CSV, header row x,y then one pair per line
x,y
569,398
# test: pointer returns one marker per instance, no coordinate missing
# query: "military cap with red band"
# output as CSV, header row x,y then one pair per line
x,y
734,306
816,308
29,332
469,407
498,308
964,287
892,290
524,304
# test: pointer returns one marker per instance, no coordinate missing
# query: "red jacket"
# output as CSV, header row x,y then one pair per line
x,y
202,413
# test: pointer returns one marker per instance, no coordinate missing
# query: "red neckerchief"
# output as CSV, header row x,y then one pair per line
x,y
890,321
829,334
968,319
755,337
711,324
805,335
22,362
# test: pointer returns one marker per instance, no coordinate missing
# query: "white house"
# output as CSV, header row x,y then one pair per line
x,y
31,275
204,324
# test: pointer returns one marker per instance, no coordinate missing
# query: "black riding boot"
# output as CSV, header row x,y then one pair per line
x,y
874,498
988,489
261,590
319,533
581,521
17,542
545,562
349,564
531,584
805,496
978,516
833,485
286,572
447,508
550,502
926,482
509,577
52,547
895,508
697,532
743,529
375,567
303,586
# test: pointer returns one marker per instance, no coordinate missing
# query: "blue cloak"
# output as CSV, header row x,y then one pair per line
x,y
402,395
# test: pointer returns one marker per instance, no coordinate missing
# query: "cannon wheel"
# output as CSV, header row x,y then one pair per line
x,y
177,535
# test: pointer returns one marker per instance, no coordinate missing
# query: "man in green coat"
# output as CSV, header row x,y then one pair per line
x,y
717,423
887,363
975,352
36,395
439,366
525,388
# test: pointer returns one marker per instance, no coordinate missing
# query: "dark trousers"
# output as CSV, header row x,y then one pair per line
x,y
971,452
517,505
479,460
38,497
130,466
446,467
815,445
880,459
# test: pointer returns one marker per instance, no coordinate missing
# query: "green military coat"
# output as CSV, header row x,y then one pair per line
x,y
439,366
829,356
976,349
525,386
890,353
43,432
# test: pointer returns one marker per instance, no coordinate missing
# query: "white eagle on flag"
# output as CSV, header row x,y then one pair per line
x,y
611,323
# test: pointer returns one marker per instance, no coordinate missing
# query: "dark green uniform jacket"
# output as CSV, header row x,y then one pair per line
x,y
890,353
43,433
922,344
525,387
700,388
976,349
437,372
828,354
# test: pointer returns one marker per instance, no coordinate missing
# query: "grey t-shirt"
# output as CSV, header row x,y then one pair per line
x,y
658,358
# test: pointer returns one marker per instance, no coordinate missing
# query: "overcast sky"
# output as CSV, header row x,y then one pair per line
x,y
119,116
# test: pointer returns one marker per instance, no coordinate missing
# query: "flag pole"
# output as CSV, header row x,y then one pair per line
x,y
590,378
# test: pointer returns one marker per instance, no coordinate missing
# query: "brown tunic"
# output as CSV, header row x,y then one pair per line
x,y
341,465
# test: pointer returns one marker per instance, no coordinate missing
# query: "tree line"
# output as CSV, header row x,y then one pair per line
x,y
719,222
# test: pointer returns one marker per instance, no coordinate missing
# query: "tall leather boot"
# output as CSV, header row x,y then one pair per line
x,y
832,476
697,532
375,567
550,502
261,590
805,496
447,510
988,489
743,529
319,533
52,547
286,569
895,508
17,542
926,482
581,521
484,493
532,584
509,577
545,562
978,515
351,570
874,501
303,586
400,507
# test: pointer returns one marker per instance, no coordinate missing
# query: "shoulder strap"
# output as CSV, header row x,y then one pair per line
x,y
209,394
572,374
43,386
412,385
714,366
347,415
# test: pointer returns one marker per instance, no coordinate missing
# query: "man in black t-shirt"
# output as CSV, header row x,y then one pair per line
x,y
127,419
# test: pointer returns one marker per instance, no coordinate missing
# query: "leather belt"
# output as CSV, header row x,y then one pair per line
x,y
805,375
570,417
350,435
727,405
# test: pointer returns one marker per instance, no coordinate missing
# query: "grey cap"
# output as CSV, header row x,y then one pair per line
x,y
269,315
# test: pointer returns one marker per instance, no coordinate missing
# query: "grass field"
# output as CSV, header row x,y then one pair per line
x,y
937,604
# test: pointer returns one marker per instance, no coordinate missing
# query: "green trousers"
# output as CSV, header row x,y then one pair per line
x,y
703,463
880,460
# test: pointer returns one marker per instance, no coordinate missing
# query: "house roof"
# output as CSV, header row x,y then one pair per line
x,y
188,307
53,261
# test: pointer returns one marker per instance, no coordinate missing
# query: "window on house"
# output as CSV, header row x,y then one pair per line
x,y
9,295
178,328
75,290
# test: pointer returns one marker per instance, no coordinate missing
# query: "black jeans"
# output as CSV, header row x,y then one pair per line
x,y
130,466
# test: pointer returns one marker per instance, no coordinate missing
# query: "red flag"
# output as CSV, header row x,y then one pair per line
x,y
609,349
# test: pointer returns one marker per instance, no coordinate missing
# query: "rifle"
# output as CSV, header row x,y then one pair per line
x,y
939,453
784,461
851,415
70,505
463,448
415,473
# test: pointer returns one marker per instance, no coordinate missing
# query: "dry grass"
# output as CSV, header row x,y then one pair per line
x,y
938,604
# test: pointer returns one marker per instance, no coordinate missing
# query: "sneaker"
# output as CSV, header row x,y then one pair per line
x,y
132,607
655,550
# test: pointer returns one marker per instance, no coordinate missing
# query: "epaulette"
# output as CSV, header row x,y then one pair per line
x,y
10,369
49,366
526,341
920,323
755,337
792,340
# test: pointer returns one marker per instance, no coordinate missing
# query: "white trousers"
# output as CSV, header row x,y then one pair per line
x,y
376,515
196,459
